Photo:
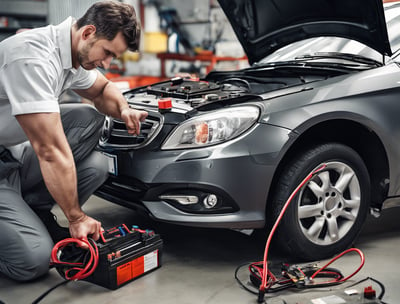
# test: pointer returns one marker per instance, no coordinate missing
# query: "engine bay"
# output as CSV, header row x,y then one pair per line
x,y
219,87
186,93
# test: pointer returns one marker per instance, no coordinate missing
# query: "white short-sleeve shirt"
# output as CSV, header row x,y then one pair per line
x,y
35,69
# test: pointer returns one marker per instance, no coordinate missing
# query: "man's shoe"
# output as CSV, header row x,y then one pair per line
x,y
56,231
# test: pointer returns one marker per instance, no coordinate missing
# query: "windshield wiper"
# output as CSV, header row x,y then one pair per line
x,y
342,56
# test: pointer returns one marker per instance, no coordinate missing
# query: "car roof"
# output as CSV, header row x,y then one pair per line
x,y
263,26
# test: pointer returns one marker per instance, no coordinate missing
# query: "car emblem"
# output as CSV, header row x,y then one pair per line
x,y
106,130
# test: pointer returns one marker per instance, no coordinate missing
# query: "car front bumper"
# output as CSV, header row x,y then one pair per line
x,y
238,173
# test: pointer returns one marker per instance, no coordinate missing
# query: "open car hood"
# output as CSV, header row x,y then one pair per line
x,y
263,26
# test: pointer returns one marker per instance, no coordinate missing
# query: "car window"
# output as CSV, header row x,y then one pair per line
x,y
322,44
392,15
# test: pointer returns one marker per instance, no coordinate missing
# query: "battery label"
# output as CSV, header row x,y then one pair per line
x,y
151,261
137,267
124,273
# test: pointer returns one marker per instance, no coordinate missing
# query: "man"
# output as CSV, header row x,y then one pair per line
x,y
47,145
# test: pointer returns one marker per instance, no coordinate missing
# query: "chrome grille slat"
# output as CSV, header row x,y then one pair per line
x,y
115,134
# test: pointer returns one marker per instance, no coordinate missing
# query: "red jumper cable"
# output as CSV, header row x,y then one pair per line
x,y
268,278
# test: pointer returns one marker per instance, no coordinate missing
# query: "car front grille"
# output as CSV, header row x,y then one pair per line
x,y
115,135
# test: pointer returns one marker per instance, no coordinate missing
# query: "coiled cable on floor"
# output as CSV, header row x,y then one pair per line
x,y
74,260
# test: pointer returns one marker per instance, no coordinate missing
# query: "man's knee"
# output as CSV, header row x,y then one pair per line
x,y
82,125
80,115
34,266
25,243
32,261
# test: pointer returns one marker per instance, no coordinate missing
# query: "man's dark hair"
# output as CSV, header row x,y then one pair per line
x,y
111,17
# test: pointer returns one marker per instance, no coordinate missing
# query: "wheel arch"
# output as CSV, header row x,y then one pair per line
x,y
352,134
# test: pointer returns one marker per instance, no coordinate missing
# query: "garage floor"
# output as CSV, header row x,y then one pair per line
x,y
199,264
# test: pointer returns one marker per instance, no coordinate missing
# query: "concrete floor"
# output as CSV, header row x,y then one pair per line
x,y
198,266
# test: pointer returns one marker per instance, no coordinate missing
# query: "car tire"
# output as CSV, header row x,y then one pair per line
x,y
328,212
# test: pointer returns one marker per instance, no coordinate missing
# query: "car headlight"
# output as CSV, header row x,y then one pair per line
x,y
213,128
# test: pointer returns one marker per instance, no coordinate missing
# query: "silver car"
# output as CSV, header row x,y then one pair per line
x,y
323,89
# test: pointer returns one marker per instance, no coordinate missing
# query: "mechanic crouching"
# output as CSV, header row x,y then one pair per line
x,y
47,149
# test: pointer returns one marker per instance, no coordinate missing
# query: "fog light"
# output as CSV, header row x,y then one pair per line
x,y
210,201
181,199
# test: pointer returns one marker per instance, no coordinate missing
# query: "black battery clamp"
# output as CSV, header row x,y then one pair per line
x,y
121,255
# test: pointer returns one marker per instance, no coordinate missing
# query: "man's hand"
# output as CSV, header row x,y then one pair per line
x,y
132,119
84,227
108,99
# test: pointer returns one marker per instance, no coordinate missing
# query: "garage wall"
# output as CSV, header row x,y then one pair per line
x,y
59,10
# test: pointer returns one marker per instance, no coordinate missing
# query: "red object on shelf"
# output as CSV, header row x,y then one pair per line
x,y
204,56
130,82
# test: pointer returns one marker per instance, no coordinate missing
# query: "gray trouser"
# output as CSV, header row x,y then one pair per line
x,y
25,243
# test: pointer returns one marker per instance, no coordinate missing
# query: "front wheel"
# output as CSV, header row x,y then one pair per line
x,y
328,212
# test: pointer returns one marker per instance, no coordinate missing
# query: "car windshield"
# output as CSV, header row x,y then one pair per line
x,y
312,46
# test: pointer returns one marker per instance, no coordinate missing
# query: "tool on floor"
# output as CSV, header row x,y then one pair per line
x,y
298,276
359,293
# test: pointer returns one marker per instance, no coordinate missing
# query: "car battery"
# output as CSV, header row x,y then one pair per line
x,y
126,253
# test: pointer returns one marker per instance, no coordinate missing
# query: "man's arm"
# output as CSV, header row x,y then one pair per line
x,y
108,99
46,134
